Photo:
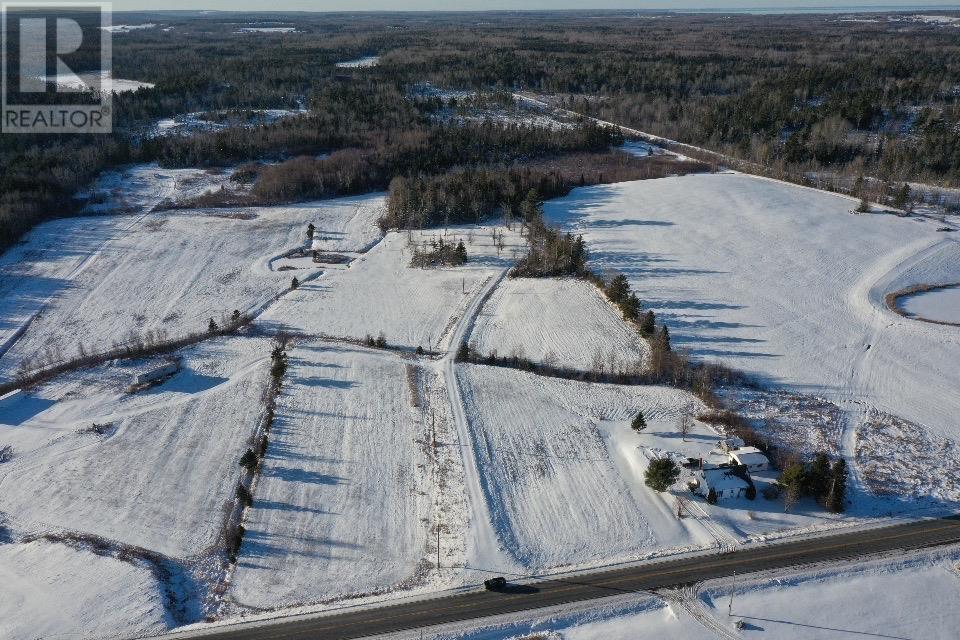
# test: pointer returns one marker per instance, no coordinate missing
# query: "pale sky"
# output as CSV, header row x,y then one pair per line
x,y
481,5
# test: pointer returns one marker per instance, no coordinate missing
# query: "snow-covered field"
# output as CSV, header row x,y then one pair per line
x,y
563,322
371,449
784,283
126,28
71,281
142,188
563,473
267,30
101,81
359,63
343,502
380,292
899,599
895,599
190,123
45,592
162,467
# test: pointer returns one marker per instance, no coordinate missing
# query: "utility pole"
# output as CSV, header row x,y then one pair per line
x,y
732,587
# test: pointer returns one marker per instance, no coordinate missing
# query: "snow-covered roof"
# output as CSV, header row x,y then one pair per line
x,y
749,456
723,478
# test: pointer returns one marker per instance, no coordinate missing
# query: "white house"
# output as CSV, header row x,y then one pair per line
x,y
724,482
751,457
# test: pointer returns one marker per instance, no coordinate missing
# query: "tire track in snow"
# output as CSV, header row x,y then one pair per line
x,y
484,551
688,601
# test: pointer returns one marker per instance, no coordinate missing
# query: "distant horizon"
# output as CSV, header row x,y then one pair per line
x,y
492,6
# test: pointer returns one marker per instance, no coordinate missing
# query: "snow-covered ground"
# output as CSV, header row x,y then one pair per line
x,y
939,305
562,322
359,63
784,283
936,20
343,504
563,473
625,618
380,292
45,592
267,30
71,281
899,599
190,123
126,28
101,81
143,187
525,474
164,463
906,599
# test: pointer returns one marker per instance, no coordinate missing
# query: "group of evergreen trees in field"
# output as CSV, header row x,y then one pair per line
x,y
476,193
470,196
619,293
820,479
551,252
437,253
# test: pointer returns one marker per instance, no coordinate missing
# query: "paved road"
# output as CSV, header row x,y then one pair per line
x,y
480,604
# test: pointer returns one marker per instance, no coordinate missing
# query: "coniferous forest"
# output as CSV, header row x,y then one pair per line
x,y
809,94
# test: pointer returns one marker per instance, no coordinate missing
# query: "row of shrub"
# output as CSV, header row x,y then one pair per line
x,y
252,458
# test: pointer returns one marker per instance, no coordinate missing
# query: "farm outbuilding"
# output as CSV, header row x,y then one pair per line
x,y
750,457
156,374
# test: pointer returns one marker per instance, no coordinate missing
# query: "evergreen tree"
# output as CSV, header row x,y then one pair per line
x,y
837,494
793,479
900,200
294,283
663,338
864,206
661,474
310,230
212,326
579,255
278,365
631,308
243,495
461,253
712,496
249,460
818,476
530,208
463,352
618,289
858,185
649,324
639,422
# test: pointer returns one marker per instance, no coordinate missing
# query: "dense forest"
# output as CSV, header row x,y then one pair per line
x,y
877,97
